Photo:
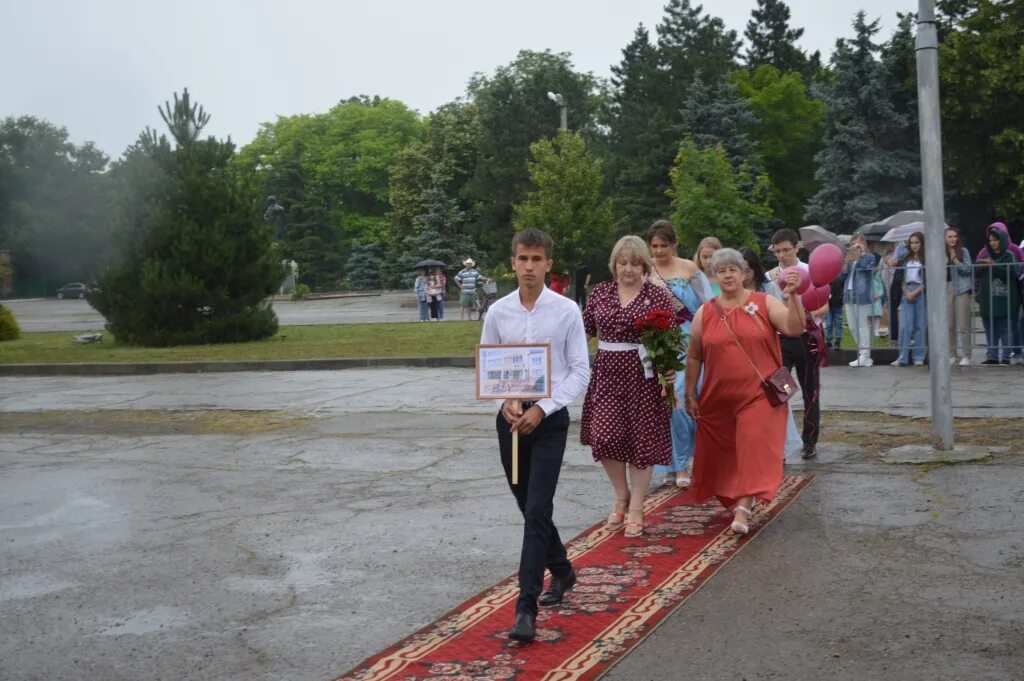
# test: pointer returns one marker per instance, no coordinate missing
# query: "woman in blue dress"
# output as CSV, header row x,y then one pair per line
x,y
689,288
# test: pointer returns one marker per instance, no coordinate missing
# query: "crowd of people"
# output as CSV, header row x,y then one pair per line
x,y
745,331
728,439
884,293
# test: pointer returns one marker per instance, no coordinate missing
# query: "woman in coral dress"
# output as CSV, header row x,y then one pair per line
x,y
626,420
740,434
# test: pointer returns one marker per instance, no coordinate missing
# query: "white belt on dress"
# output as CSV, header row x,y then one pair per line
x,y
630,347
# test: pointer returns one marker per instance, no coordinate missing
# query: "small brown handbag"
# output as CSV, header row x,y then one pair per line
x,y
778,387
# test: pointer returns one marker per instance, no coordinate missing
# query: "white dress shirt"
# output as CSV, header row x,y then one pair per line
x,y
554,319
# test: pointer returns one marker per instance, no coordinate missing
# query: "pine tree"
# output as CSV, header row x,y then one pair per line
x,y
772,41
440,234
363,268
863,177
692,44
717,115
638,119
199,264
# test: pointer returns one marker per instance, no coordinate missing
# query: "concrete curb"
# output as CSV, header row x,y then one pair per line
x,y
139,369
881,357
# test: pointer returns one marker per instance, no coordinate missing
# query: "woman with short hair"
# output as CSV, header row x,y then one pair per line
x,y
740,433
626,420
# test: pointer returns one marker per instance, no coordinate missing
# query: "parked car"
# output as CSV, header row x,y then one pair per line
x,y
74,290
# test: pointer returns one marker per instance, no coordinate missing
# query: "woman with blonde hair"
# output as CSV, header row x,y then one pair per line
x,y
702,256
626,420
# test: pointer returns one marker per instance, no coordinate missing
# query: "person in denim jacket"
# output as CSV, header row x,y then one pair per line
x,y
914,308
834,318
857,294
959,287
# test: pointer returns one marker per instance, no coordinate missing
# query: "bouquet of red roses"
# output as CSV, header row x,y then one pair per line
x,y
662,336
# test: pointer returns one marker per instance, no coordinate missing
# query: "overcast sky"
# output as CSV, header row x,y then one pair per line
x,y
102,67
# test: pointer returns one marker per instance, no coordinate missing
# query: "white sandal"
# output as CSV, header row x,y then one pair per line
x,y
737,526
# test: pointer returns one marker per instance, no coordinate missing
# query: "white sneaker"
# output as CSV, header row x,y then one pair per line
x,y
855,363
1017,360
918,363
965,361
952,361
867,362
895,363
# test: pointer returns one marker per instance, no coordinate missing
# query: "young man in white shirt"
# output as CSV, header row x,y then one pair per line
x,y
534,314
797,352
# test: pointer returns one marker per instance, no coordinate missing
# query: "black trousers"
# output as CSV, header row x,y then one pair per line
x,y
895,298
796,353
540,462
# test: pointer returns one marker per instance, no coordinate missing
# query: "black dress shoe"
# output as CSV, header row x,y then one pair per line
x,y
525,628
810,452
556,590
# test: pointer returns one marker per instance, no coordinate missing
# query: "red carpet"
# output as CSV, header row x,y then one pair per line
x,y
625,588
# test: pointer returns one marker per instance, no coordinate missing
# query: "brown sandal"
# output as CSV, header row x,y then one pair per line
x,y
635,529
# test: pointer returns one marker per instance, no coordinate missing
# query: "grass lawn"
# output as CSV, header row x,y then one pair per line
x,y
450,338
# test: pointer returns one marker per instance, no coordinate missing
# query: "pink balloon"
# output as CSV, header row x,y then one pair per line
x,y
815,298
826,263
805,280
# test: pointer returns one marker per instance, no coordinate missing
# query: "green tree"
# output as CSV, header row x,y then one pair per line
x,y
199,265
566,200
514,112
982,89
55,203
331,172
717,115
866,170
440,234
690,44
712,198
448,151
638,119
788,130
771,40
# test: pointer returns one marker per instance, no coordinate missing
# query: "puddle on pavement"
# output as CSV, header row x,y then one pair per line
x,y
140,422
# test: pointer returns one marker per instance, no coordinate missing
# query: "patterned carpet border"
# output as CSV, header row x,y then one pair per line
x,y
626,588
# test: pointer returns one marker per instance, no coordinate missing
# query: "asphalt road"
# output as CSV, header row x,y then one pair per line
x,y
285,526
50,314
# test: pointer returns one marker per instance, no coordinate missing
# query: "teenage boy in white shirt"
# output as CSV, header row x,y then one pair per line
x,y
535,314
797,352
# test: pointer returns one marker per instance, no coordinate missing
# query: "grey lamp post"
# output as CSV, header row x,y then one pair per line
x,y
561,102
934,221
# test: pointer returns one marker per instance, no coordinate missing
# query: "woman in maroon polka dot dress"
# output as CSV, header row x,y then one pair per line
x,y
626,420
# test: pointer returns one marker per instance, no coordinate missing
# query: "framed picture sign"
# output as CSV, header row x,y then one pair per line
x,y
513,372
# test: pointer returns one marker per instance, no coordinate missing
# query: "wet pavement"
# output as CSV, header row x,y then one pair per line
x,y
50,314
288,525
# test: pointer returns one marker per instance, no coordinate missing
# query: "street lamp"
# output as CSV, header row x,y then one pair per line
x,y
561,102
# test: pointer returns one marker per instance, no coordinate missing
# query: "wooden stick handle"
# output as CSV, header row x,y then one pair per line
x,y
515,447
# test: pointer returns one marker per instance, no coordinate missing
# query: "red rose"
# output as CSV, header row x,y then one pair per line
x,y
662,324
640,323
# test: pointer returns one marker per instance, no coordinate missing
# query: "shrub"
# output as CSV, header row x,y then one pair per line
x,y
300,292
8,325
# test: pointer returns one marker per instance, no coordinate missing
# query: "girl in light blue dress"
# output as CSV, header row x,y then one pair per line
x,y
689,288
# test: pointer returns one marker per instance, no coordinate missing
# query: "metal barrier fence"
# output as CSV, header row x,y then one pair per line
x,y
984,302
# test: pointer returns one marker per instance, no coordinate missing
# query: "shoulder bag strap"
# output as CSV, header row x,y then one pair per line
x,y
721,315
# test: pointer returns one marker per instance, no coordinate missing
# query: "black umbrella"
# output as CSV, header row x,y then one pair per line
x,y
876,230
428,263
